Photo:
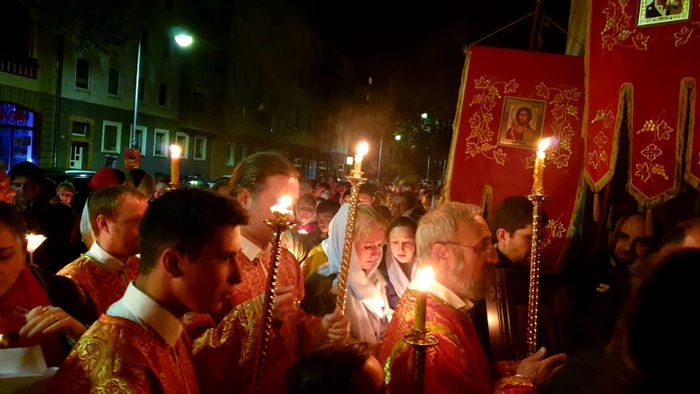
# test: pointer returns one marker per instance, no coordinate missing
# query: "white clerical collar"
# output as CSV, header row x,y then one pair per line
x,y
445,294
138,307
101,256
249,249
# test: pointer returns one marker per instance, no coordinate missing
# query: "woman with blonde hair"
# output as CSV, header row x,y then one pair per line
x,y
367,307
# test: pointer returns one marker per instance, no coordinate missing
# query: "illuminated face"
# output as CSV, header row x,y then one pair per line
x,y
516,246
523,118
121,238
12,252
305,213
472,253
65,195
26,188
631,241
402,242
324,219
369,248
258,206
207,278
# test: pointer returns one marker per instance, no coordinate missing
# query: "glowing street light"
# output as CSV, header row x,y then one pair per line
x,y
184,40
424,115
397,137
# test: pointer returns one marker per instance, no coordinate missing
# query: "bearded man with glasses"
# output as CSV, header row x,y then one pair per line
x,y
455,240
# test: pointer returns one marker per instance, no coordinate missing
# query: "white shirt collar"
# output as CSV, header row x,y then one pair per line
x,y
138,307
101,256
249,249
445,294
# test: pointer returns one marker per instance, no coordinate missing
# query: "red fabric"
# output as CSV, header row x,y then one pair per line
x,y
104,177
641,68
28,293
457,363
225,354
478,159
116,355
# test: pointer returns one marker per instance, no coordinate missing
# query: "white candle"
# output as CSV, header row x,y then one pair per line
x,y
362,150
539,164
424,278
175,152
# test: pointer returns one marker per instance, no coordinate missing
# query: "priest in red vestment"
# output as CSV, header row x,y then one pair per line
x,y
226,342
455,240
189,243
104,271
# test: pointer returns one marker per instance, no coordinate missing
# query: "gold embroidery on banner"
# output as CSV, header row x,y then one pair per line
x,y
599,155
617,29
553,229
562,110
660,131
482,138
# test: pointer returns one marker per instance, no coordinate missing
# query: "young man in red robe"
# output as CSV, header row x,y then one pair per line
x,y
104,271
226,344
455,240
189,243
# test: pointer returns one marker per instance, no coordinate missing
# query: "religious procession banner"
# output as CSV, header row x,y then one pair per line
x,y
509,100
643,60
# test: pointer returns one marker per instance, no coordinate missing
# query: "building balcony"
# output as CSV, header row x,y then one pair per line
x,y
27,68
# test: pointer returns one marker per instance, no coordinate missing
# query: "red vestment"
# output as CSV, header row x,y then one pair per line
x,y
225,353
100,284
116,355
457,363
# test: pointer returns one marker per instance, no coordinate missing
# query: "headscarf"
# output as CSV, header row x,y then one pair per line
x,y
367,306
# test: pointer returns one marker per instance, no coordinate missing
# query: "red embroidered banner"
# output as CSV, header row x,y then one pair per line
x,y
640,62
509,100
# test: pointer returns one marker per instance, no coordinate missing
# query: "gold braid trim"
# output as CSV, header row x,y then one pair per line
x,y
507,384
245,315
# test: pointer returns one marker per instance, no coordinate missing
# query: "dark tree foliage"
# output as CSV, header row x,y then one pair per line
x,y
428,137
94,25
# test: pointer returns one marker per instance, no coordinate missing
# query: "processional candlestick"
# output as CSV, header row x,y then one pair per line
x,y
279,224
356,180
537,197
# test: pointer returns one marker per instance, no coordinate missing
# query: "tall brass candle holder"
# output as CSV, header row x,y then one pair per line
x,y
279,224
356,180
537,197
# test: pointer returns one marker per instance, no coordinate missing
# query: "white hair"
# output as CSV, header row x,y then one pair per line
x,y
440,225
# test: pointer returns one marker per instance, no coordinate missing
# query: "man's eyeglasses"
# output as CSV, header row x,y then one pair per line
x,y
480,248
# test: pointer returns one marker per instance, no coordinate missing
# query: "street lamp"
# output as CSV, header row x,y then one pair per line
x,y
397,137
183,40
424,115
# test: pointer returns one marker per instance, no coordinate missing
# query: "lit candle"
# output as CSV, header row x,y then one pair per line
x,y
282,206
539,164
424,278
175,151
33,242
362,150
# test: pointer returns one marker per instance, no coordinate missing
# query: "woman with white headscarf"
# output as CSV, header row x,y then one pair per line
x,y
400,260
367,307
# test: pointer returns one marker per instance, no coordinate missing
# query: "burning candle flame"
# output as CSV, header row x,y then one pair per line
x,y
283,205
544,144
362,148
175,151
424,278
34,241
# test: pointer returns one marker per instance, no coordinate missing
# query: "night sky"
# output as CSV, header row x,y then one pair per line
x,y
414,48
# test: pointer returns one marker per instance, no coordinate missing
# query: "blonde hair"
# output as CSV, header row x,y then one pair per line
x,y
440,225
367,220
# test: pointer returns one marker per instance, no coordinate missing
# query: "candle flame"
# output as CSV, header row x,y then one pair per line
x,y
424,278
175,151
34,241
362,148
282,205
544,144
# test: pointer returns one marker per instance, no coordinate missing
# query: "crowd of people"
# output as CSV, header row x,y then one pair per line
x,y
147,288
